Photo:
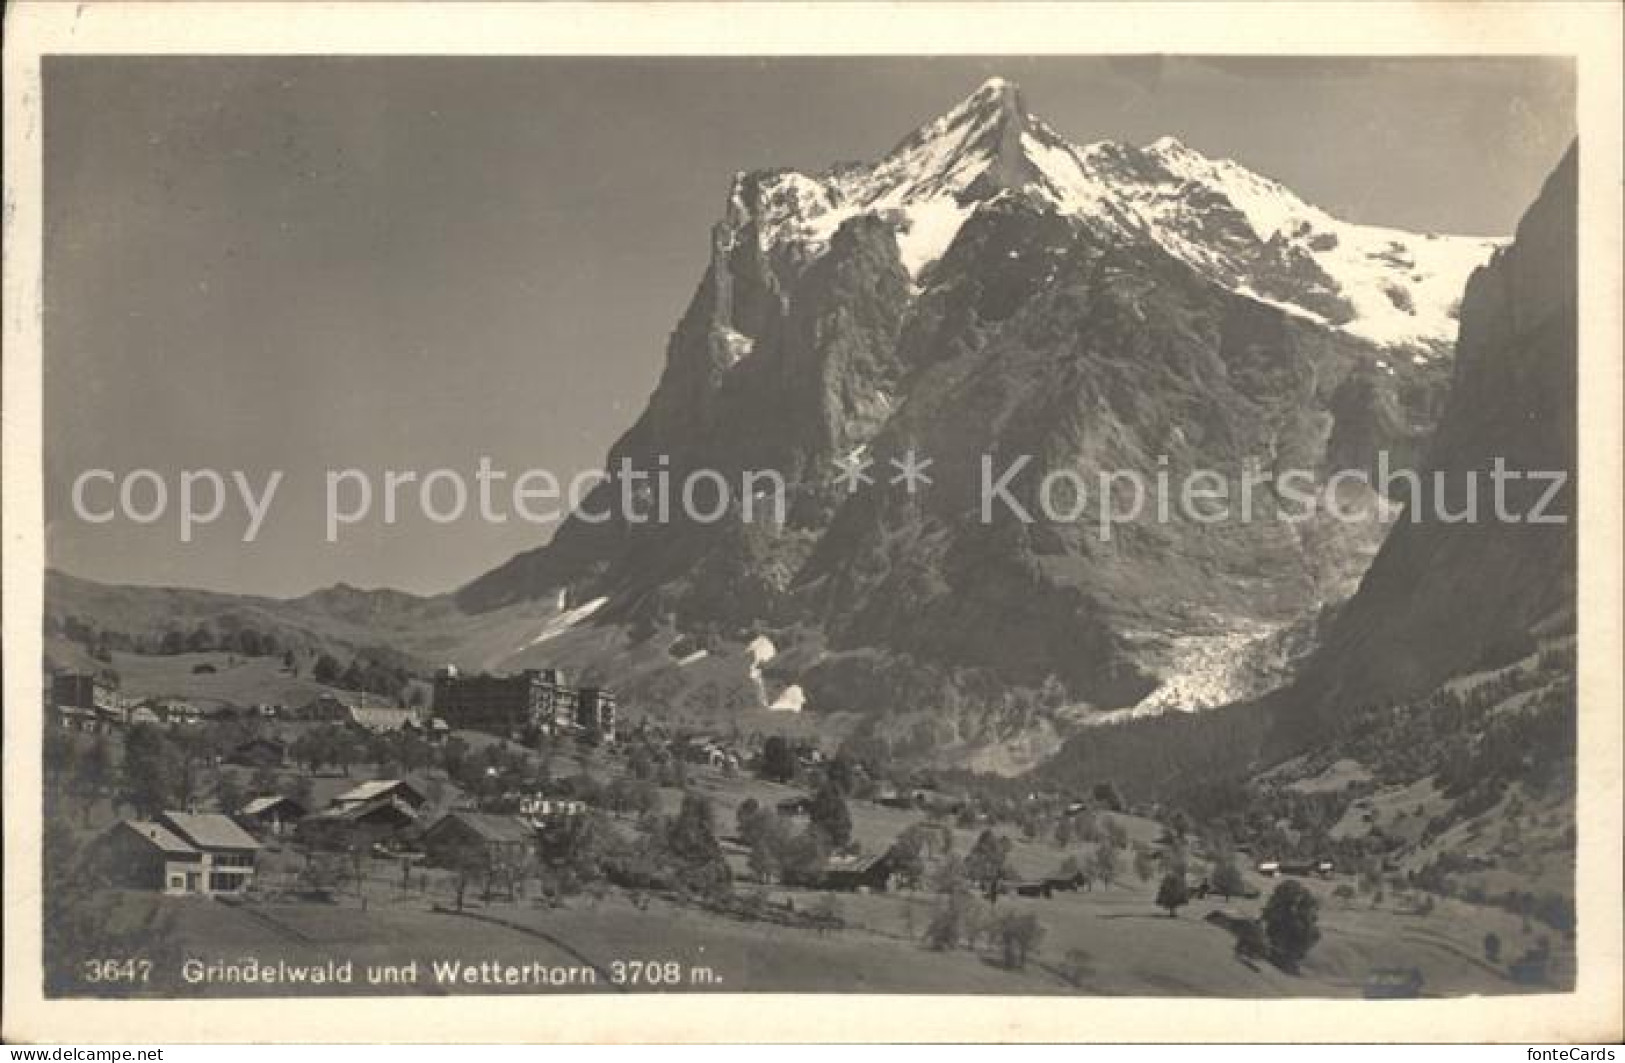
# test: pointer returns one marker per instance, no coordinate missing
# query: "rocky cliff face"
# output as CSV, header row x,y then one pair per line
x,y
1444,595
989,289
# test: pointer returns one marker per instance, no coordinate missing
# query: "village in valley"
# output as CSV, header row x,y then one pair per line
x,y
524,821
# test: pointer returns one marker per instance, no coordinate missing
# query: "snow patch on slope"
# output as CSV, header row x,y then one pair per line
x,y
1403,287
567,620
790,699
927,231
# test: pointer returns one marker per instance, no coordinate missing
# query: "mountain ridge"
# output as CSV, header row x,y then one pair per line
x,y
991,144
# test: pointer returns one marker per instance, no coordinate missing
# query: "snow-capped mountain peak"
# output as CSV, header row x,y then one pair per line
x,y
1239,229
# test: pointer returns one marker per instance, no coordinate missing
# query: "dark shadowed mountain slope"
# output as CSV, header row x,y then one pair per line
x,y
1442,597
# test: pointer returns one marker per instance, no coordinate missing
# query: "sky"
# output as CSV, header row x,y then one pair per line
x,y
314,264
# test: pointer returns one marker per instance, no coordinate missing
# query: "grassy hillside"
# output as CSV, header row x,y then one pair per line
x,y
238,681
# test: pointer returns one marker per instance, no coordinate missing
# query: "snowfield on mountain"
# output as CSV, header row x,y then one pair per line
x,y
1236,227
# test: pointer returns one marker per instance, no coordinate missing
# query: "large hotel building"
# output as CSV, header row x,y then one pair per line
x,y
511,705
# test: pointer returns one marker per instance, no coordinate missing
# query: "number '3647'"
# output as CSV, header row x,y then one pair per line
x,y
103,971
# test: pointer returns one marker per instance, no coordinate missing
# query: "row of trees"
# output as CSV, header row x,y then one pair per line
x,y
158,770
366,673
780,853
102,642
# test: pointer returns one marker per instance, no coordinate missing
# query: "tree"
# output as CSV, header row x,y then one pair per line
x,y
453,755
1145,866
1371,876
769,842
1492,947
907,856
988,863
1063,832
748,819
59,756
154,772
1019,934
358,848
1105,862
1173,894
334,745
201,639
1115,832
957,918
692,843
1227,879
328,671
309,750
469,860
778,760
302,790
576,848
265,781
802,858
841,774
248,642
1291,923
830,815
59,856
228,793
97,772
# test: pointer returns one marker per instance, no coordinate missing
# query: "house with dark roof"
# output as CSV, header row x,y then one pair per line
x,y
374,810
271,814
178,852
504,841
259,752
341,826
873,874
407,792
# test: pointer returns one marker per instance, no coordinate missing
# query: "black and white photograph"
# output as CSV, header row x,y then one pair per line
x,y
1087,525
